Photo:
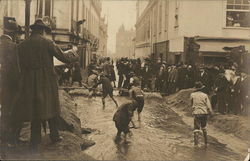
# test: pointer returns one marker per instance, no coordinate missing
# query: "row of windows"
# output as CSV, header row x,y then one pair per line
x,y
237,15
238,5
44,8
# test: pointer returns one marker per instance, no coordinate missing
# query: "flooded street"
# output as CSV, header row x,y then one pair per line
x,y
162,136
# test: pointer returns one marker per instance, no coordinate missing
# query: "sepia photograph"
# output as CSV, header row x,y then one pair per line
x,y
125,80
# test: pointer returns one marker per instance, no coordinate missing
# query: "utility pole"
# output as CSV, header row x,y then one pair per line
x,y
27,17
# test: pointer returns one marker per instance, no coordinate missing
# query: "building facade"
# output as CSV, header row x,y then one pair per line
x,y
103,34
124,42
140,6
73,22
183,31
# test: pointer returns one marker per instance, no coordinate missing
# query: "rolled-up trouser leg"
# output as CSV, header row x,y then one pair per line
x,y
205,135
196,137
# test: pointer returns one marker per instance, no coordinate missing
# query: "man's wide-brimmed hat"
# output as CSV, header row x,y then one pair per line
x,y
10,25
40,24
199,86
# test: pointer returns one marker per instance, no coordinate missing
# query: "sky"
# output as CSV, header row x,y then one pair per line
x,y
118,12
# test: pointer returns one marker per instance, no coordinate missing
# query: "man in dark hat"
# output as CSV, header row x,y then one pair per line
x,y
10,75
205,79
201,108
39,90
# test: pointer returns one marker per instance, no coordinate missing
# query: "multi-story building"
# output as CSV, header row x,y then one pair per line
x,y
124,42
140,6
193,31
72,21
103,32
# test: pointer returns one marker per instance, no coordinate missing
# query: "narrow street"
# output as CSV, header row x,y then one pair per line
x,y
162,136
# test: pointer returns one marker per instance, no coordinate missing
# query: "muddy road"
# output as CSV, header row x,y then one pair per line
x,y
163,134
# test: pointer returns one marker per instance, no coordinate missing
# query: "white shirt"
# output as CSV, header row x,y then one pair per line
x,y
201,103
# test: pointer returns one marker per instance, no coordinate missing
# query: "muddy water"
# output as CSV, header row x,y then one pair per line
x,y
162,135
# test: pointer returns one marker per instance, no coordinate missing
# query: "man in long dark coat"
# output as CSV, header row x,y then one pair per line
x,y
39,99
146,74
205,79
245,93
9,78
221,87
120,67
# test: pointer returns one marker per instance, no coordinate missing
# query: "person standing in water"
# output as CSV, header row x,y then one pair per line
x,y
201,108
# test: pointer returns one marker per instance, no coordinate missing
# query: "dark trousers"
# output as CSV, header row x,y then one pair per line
x,y
221,100
35,138
172,87
146,83
235,104
126,82
120,81
214,101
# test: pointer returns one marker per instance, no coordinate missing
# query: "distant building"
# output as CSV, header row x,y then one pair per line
x,y
124,42
72,21
192,31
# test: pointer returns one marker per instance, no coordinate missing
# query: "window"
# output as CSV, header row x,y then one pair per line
x,y
238,13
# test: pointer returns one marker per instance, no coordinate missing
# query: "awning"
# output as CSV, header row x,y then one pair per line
x,y
217,46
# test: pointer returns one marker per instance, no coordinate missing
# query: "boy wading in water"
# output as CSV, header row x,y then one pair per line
x,y
201,108
122,118
107,89
137,95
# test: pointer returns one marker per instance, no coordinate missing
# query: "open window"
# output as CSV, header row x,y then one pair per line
x,y
238,13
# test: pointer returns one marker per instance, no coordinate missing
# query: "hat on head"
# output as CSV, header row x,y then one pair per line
x,y
10,25
95,72
202,67
199,86
233,67
39,23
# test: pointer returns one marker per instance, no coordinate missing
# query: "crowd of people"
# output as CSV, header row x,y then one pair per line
x,y
29,83
226,85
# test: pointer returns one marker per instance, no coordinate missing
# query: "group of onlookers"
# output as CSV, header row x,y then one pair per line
x,y
226,85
